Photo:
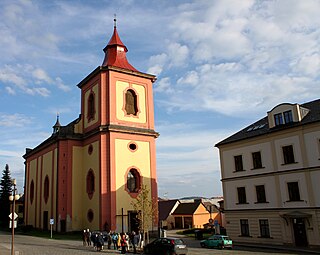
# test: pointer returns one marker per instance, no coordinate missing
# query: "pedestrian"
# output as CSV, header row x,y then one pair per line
x,y
135,241
115,240
94,238
88,237
119,241
127,241
100,242
84,237
109,240
141,242
123,243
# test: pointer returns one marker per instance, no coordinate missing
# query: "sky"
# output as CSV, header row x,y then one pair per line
x,y
220,66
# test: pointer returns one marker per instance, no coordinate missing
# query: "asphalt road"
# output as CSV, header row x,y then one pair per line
x,y
29,245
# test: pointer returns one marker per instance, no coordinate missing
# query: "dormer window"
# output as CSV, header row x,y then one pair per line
x,y
286,113
288,117
278,119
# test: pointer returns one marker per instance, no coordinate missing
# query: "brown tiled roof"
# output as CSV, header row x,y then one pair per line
x,y
165,208
186,208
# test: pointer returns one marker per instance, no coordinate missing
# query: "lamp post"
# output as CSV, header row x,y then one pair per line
x,y
13,198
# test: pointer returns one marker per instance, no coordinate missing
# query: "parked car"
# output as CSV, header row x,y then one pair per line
x,y
166,246
217,241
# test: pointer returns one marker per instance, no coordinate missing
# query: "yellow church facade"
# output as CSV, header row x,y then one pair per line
x,y
88,173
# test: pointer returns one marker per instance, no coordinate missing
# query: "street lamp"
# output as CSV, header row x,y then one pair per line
x,y
13,198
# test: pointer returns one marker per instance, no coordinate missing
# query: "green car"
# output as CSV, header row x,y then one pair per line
x,y
217,241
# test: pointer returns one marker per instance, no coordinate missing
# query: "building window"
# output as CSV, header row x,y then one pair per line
x,y
91,107
90,149
288,156
256,159
238,163
133,146
31,191
90,183
264,228
131,105
244,225
90,215
46,189
293,190
133,181
278,119
242,198
261,194
287,117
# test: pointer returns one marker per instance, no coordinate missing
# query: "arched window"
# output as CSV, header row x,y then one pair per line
x,y
133,181
46,189
91,107
131,106
31,191
90,183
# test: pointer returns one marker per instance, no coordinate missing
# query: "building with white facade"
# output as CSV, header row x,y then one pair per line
x,y
271,178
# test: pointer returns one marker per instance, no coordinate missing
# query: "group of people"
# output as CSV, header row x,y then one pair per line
x,y
123,242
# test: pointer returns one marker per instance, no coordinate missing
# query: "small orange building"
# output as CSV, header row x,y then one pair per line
x,y
88,172
193,215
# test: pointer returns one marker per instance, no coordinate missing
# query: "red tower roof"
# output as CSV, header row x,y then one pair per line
x,y
115,53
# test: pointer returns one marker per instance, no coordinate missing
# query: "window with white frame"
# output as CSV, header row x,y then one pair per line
x,y
244,227
264,228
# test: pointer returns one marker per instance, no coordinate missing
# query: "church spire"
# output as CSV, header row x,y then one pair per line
x,y
115,51
56,126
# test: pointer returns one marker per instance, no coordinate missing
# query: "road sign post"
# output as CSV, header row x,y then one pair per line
x,y
51,223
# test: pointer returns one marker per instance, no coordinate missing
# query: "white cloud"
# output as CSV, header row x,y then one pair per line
x,y
41,75
10,90
14,120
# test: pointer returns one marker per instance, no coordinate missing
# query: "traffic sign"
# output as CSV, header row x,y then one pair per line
x,y
51,221
15,216
14,224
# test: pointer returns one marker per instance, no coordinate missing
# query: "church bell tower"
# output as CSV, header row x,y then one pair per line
x,y
117,123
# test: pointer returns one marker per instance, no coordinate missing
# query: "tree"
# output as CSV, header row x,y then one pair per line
x,y
147,211
5,192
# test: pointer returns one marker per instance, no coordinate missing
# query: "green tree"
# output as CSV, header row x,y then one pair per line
x,y
147,211
5,192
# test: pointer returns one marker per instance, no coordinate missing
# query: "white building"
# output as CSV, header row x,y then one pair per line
x,y
271,178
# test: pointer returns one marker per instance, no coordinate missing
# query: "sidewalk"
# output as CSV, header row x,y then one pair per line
x,y
302,250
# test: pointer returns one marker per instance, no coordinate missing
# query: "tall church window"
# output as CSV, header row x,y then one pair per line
x,y
46,189
131,105
133,181
90,183
31,191
91,107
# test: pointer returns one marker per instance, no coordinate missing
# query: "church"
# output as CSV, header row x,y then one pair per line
x,y
88,173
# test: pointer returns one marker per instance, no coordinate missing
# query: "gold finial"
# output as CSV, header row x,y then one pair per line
x,y
115,20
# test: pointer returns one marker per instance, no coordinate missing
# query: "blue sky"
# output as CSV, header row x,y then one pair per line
x,y
221,65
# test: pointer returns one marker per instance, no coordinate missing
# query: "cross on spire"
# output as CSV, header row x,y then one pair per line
x,y
115,20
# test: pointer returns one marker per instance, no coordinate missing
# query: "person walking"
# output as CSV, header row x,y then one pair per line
x,y
115,240
109,239
84,237
100,242
88,237
135,241
123,243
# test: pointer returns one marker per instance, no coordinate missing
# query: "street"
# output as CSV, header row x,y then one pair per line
x,y
29,245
